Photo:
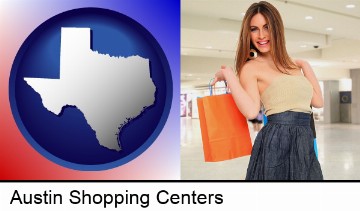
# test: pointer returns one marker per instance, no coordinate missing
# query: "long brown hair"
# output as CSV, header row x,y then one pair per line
x,y
278,51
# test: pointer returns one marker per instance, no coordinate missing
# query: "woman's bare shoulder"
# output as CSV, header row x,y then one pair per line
x,y
301,63
249,69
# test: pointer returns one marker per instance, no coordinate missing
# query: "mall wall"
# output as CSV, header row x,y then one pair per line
x,y
355,96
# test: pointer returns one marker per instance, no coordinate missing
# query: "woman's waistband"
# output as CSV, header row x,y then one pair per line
x,y
290,118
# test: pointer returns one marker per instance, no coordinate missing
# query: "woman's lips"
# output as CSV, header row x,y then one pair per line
x,y
262,43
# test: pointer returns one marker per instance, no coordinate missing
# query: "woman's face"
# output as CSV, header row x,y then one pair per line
x,y
259,32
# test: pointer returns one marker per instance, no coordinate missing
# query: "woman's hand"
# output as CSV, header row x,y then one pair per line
x,y
221,74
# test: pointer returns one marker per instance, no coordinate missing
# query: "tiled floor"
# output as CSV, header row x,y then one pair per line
x,y
338,146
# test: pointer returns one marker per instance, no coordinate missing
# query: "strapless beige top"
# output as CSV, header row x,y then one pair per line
x,y
287,93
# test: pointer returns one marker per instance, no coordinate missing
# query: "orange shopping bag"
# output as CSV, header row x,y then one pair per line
x,y
224,129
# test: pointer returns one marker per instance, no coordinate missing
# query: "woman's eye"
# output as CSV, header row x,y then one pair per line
x,y
253,29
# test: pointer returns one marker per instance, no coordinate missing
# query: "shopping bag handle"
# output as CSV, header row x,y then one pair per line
x,y
211,87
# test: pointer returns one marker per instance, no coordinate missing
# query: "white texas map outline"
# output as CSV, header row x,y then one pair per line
x,y
108,90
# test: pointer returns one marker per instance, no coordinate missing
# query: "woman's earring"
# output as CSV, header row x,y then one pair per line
x,y
253,54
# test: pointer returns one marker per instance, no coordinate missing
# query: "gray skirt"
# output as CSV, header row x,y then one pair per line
x,y
284,150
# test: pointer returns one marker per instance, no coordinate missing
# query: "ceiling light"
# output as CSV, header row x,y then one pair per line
x,y
243,14
350,6
303,46
308,17
208,47
329,29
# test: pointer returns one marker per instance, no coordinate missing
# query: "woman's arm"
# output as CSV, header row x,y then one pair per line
x,y
245,94
317,100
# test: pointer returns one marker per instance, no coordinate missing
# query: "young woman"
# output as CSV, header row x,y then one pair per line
x,y
264,73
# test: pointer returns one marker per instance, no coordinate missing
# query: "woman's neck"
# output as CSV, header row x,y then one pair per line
x,y
266,56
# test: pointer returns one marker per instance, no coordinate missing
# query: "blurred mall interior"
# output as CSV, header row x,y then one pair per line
x,y
325,33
